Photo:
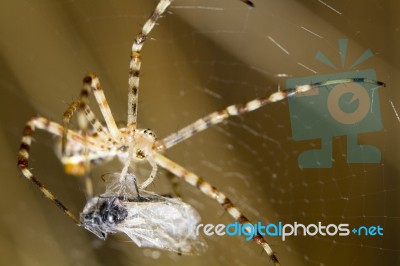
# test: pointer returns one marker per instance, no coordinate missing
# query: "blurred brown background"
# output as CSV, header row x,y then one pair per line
x,y
204,55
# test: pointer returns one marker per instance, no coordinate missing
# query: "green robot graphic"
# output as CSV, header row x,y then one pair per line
x,y
337,110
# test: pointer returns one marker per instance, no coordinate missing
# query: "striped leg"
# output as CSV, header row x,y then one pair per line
x,y
134,66
85,114
153,173
213,193
58,130
239,109
23,157
101,134
92,84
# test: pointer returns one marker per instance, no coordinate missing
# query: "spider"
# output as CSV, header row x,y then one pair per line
x,y
131,144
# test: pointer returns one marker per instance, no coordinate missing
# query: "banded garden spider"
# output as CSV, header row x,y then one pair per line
x,y
132,144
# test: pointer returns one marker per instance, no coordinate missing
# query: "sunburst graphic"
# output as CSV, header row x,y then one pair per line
x,y
343,51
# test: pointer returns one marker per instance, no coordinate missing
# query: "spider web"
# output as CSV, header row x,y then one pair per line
x,y
204,55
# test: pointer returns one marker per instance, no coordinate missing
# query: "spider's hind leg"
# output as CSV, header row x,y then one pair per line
x,y
212,192
23,157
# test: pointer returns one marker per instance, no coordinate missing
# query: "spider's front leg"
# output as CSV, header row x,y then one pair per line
x,y
23,156
135,62
212,192
111,135
108,137
239,109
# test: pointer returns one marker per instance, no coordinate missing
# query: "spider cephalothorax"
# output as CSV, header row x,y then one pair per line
x,y
141,141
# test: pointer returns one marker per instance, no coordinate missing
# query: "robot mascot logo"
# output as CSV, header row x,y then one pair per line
x,y
337,110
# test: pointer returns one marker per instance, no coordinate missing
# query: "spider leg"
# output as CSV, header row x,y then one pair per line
x,y
23,156
85,114
212,192
134,65
92,84
154,169
58,130
239,109
84,167
90,116
100,135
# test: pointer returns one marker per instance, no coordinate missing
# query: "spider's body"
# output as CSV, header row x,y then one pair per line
x,y
101,144
141,144
130,144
